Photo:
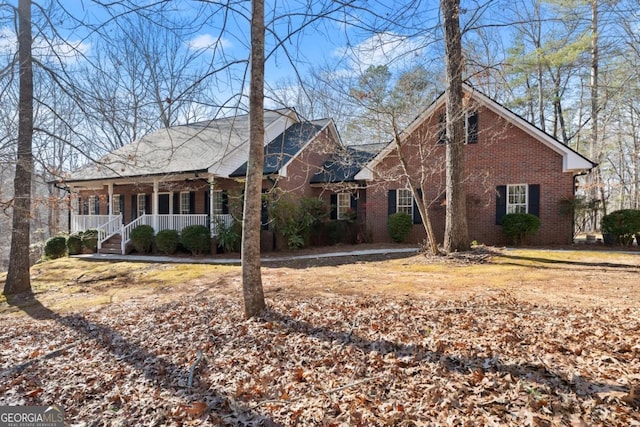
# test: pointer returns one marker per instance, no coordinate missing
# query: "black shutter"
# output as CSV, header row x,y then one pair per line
x,y
264,212
207,202
122,206
134,207
192,202
501,203
354,204
534,200
442,129
176,203
417,219
472,128
109,207
148,209
225,202
391,202
333,202
96,204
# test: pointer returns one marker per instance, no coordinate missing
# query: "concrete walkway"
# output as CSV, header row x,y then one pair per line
x,y
236,261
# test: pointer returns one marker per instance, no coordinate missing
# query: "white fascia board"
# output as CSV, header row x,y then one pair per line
x,y
571,161
283,170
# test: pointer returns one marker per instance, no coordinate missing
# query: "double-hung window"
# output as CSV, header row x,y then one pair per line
x,y
142,205
185,203
216,202
343,205
404,201
93,204
517,197
115,205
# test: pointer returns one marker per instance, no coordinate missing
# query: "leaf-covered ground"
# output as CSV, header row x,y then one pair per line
x,y
327,359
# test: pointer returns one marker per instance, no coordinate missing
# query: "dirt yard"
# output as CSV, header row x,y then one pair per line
x,y
492,337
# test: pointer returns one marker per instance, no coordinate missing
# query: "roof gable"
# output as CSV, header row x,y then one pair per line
x,y
285,147
218,146
572,161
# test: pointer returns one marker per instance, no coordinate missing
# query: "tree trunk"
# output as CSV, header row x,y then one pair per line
x,y
18,279
456,234
254,303
595,187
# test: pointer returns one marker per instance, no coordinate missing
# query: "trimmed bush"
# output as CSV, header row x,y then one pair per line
x,y
517,226
167,241
55,247
196,239
399,225
142,238
90,240
622,225
74,244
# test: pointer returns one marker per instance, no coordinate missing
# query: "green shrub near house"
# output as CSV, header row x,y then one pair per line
x,y
142,238
90,240
517,226
74,244
55,247
622,225
229,237
196,239
399,226
167,241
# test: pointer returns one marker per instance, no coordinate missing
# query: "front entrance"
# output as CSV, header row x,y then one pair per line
x,y
164,207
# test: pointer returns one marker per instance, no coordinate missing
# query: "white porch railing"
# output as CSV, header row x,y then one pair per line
x,y
179,222
108,229
221,219
86,222
107,225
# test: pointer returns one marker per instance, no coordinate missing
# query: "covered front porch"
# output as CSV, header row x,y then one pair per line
x,y
111,228
115,207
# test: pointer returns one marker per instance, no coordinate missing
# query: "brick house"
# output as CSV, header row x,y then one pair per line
x,y
510,166
194,174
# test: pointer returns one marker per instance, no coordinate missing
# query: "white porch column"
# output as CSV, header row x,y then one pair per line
x,y
155,203
110,200
211,184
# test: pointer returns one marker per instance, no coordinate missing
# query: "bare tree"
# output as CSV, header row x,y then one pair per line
x,y
254,303
456,235
18,278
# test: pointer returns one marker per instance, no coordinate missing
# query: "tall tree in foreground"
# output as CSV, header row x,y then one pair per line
x,y
18,279
456,233
251,276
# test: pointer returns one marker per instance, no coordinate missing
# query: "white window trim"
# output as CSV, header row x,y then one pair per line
x,y
341,208
184,209
216,202
115,205
526,198
141,203
398,205
92,205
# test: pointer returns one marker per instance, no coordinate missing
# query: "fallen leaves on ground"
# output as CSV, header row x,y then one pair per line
x,y
340,361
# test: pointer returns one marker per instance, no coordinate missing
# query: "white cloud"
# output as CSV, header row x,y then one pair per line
x,y
207,42
66,51
381,49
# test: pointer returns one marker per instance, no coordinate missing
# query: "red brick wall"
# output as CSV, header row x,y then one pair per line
x,y
503,155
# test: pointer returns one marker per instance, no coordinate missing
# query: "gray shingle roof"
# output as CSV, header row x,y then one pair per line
x,y
343,166
285,146
219,146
